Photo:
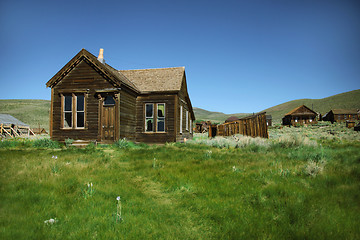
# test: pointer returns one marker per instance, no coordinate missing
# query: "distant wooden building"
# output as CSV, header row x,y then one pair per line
x,y
231,119
341,115
269,120
300,116
92,101
253,126
39,131
202,127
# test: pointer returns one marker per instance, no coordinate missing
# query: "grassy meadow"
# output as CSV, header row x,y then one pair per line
x,y
302,183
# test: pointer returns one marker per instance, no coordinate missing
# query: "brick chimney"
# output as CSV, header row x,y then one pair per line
x,y
101,56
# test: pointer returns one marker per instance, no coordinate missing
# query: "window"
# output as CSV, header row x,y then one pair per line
x,y
67,121
80,111
109,101
181,118
190,125
73,111
160,117
187,120
149,117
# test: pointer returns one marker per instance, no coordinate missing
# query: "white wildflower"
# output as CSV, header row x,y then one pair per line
x,y
118,198
50,221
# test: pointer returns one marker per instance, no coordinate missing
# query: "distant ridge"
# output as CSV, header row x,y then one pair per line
x,y
347,100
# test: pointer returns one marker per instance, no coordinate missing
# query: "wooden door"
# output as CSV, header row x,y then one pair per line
x,y
108,123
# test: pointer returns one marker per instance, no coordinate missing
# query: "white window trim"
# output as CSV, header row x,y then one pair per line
x,y
160,117
181,118
152,117
190,125
76,111
73,110
187,120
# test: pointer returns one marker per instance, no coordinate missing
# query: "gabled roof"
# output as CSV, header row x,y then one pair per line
x,y
344,111
106,70
7,119
141,80
156,80
302,110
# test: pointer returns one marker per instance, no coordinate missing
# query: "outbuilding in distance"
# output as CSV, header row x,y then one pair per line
x,y
300,116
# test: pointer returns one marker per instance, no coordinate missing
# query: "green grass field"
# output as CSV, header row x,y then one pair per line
x,y
291,186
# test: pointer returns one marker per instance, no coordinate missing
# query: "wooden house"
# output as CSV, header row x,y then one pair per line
x,y
300,116
341,115
92,101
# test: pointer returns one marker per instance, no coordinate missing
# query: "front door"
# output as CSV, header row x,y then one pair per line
x,y
108,119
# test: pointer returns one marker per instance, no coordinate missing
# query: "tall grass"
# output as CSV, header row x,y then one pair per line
x,y
190,191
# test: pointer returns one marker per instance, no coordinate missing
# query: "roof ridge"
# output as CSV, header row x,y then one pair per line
x,y
151,68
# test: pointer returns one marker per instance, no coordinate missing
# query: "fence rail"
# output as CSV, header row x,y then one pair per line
x,y
254,126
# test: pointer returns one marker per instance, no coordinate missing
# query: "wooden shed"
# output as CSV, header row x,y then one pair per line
x,y
92,101
341,115
300,116
253,126
13,127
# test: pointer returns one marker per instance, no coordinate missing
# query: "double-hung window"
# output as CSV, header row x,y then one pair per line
x,y
160,117
187,120
149,117
155,122
73,108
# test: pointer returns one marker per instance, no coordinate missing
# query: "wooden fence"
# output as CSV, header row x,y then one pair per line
x,y
14,131
254,126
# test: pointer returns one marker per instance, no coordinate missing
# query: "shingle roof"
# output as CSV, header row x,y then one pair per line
x,y
8,119
143,80
157,79
295,111
344,111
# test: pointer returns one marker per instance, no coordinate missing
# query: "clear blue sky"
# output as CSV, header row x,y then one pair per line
x,y
239,56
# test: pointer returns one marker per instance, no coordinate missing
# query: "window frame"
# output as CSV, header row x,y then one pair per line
x,y
74,111
146,118
181,119
155,118
187,120
160,118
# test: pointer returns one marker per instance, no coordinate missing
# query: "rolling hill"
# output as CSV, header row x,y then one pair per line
x,y
35,112
347,100
32,112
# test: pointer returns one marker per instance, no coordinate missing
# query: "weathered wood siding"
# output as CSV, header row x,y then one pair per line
x,y
155,137
127,115
81,78
182,100
253,126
